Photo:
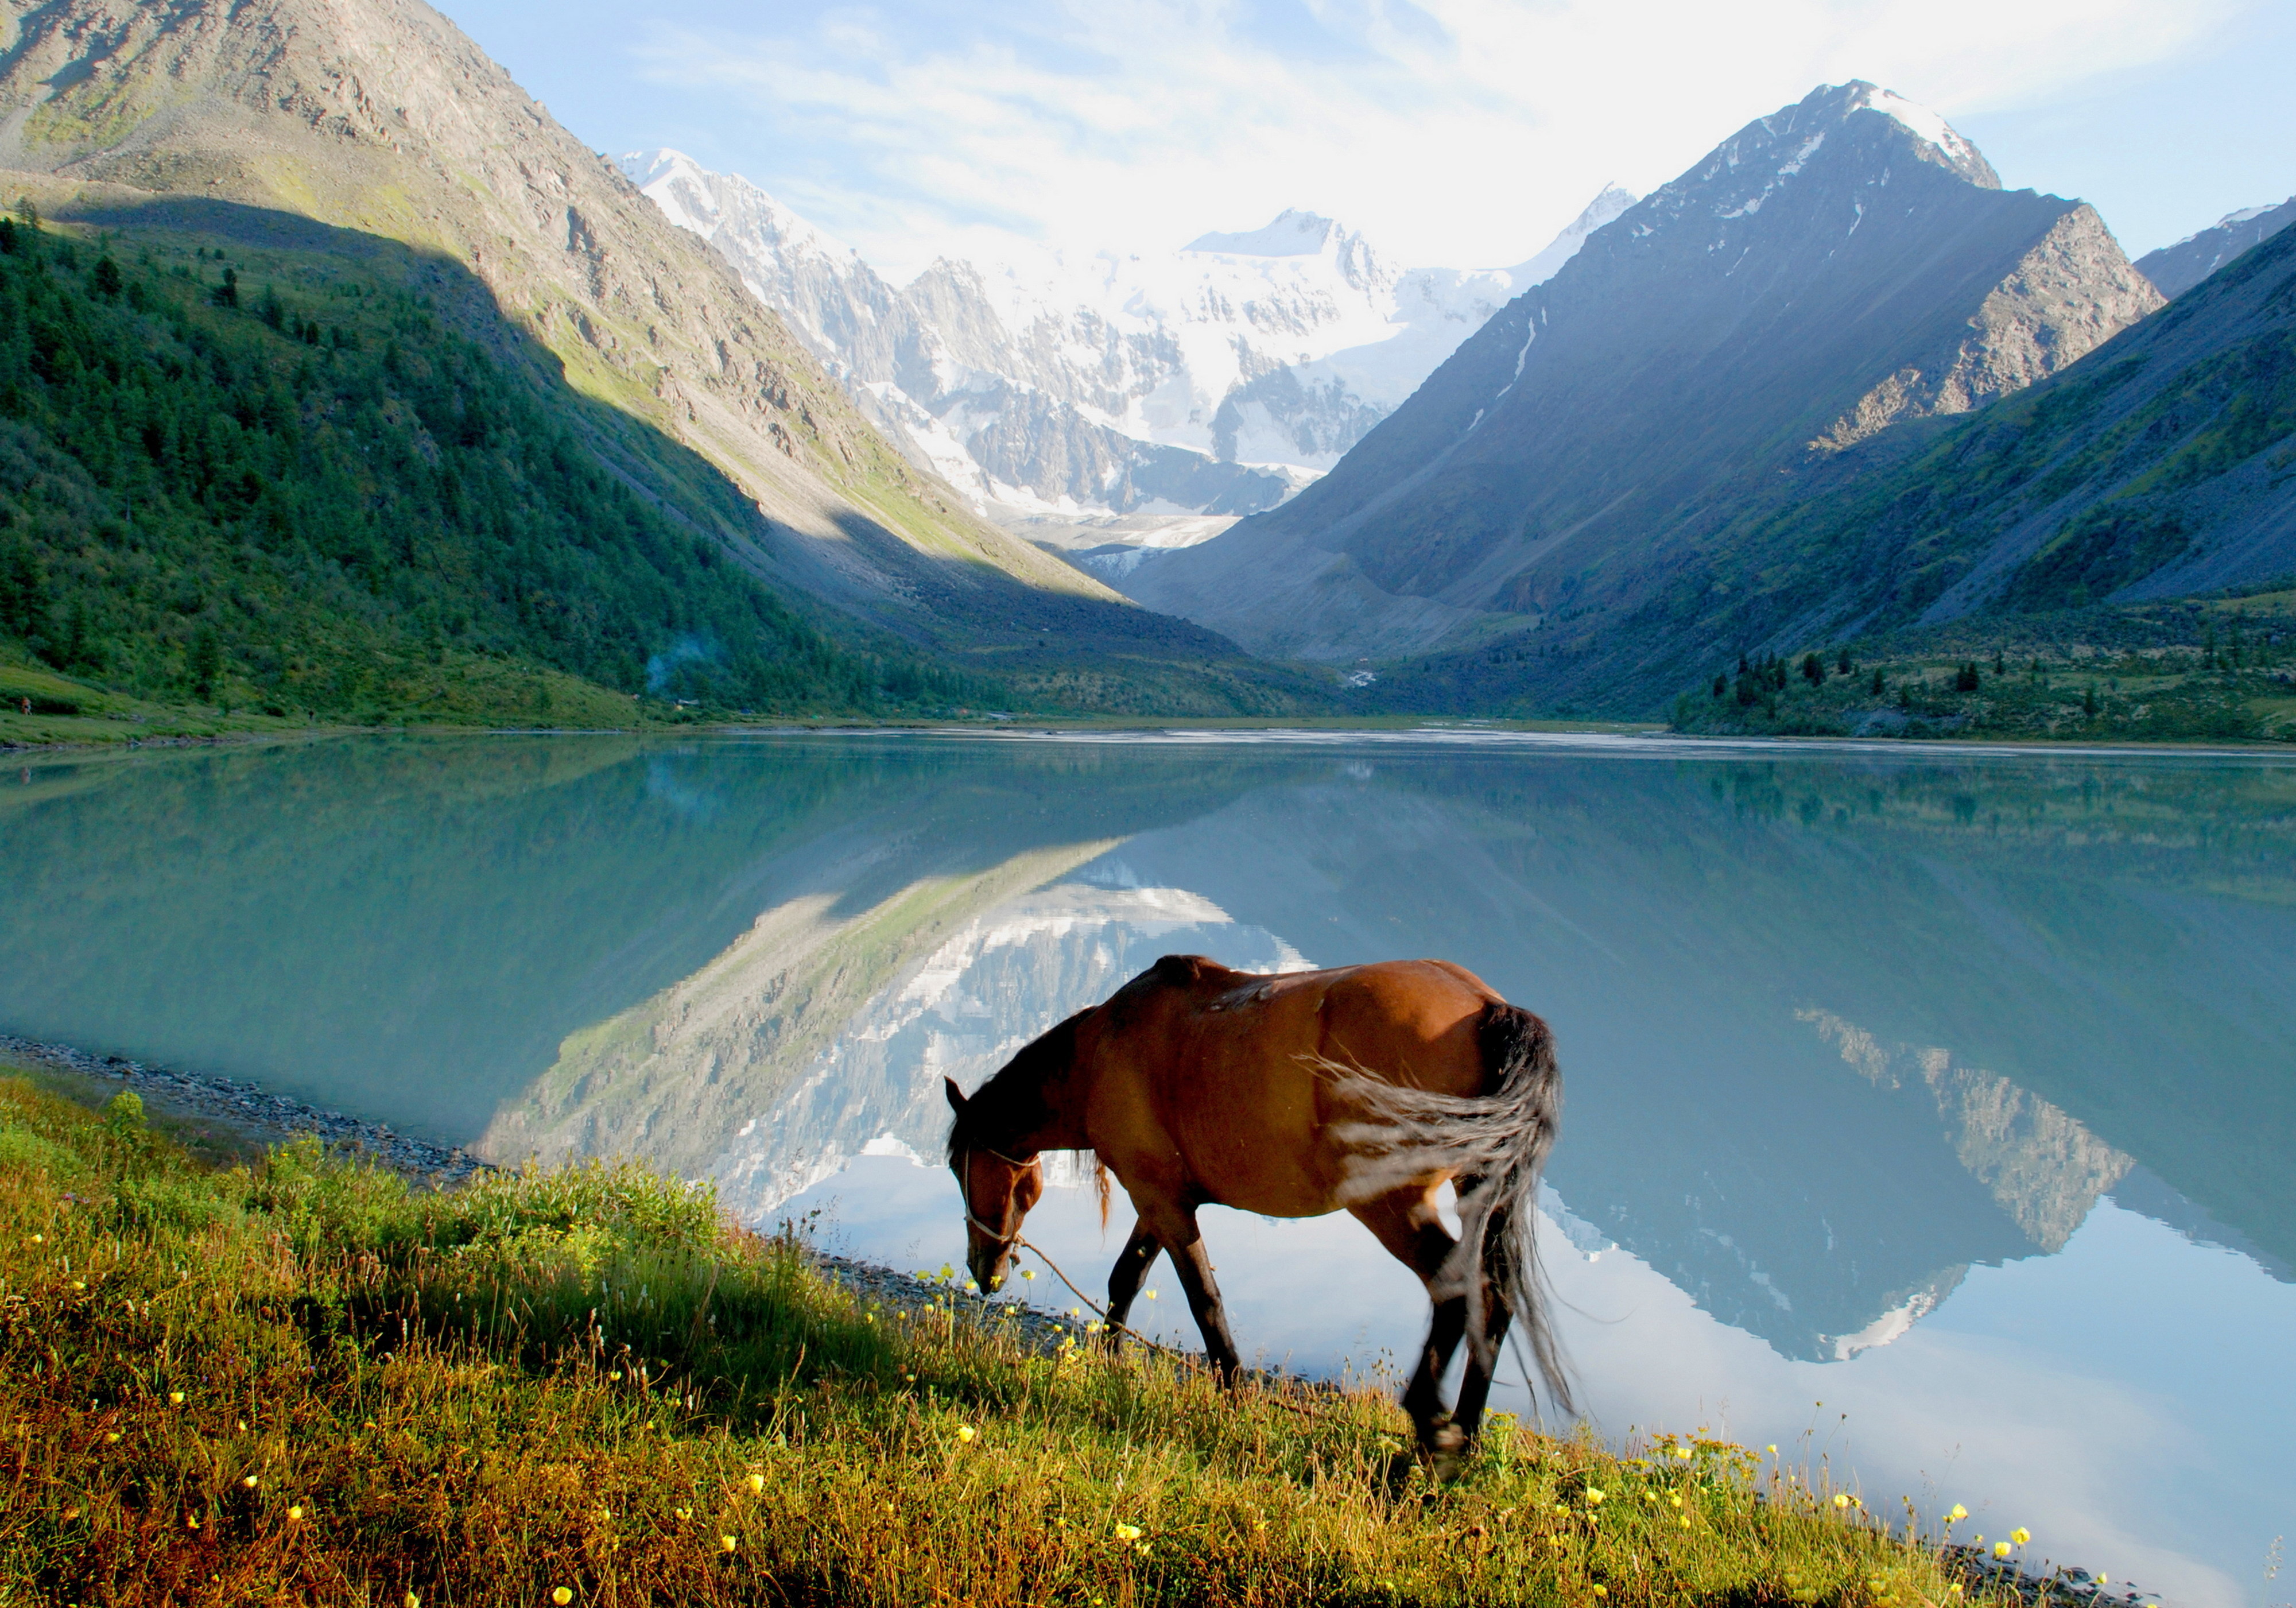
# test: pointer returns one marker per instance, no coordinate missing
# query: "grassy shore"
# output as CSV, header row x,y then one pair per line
x,y
302,1379
2222,671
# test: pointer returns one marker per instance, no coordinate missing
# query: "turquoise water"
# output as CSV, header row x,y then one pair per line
x,y
1952,1091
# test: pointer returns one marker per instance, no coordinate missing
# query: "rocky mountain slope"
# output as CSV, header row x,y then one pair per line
x,y
1845,263
2160,465
380,118
2163,464
2178,268
1216,379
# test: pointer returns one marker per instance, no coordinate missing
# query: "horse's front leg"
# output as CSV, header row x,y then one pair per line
x,y
1193,1264
1132,1264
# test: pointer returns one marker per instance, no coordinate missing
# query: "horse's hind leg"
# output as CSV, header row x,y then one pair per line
x,y
1408,1224
1132,1265
1475,1387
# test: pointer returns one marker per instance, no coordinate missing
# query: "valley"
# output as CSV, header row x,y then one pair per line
x,y
1833,388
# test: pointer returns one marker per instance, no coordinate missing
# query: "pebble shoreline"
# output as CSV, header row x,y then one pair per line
x,y
255,1113
273,1118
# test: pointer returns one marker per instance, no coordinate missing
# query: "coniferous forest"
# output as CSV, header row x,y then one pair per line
x,y
315,501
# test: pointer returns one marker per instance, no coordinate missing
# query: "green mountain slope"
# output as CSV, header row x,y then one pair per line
x,y
379,116
375,132
313,497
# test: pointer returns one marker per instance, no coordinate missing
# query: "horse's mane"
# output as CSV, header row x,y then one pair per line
x,y
1012,1103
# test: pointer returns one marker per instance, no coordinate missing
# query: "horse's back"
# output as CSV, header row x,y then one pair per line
x,y
1234,1066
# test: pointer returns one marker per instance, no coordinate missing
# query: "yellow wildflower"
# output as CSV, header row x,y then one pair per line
x,y
111,1437
295,1511
176,1396
1127,1532
685,1513
2000,1550
1840,1500
413,1601
1594,1498
1600,1591
724,1543
562,1596
1955,1514
965,1433
1682,1451
757,1485
1028,1273
2021,1535
251,1482
1772,1450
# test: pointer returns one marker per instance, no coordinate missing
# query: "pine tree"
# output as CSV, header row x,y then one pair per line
x,y
207,660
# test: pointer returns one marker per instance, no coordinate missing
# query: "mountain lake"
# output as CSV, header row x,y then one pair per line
x,y
1929,1110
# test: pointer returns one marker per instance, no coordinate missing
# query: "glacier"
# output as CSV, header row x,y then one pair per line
x,y
1094,401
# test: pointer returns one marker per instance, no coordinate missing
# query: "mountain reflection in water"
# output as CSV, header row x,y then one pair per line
x,y
1838,1028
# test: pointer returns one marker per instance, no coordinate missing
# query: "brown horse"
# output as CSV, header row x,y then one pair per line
x,y
1363,1088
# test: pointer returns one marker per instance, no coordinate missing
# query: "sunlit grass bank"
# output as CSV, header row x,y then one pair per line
x,y
305,1381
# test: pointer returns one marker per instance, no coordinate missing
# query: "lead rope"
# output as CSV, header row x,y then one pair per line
x,y
1016,1241
1184,1358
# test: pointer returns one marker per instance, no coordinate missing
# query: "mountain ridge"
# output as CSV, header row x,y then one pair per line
x,y
1561,461
2178,267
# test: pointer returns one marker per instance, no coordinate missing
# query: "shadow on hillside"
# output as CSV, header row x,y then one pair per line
x,y
947,603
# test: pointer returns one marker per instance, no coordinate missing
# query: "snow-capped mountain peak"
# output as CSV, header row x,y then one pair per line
x,y
1215,378
1599,211
1926,126
1293,234
688,194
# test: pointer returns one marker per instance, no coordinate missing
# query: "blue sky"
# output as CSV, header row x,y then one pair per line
x,y
1461,133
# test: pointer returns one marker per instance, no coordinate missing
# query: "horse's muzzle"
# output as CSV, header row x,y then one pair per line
x,y
988,1261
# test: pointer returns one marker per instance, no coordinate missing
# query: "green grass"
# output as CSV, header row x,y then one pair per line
x,y
303,1380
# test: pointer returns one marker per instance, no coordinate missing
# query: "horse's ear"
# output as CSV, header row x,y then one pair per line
x,y
956,1095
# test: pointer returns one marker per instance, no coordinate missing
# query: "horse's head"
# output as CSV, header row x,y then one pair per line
x,y
998,1189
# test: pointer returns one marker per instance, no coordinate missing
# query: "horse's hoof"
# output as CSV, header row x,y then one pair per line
x,y
1445,1450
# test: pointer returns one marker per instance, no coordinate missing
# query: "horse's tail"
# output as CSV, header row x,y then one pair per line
x,y
1496,1145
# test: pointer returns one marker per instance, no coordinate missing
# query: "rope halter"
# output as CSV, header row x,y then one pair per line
x,y
1004,1242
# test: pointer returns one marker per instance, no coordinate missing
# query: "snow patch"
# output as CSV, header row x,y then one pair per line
x,y
1922,123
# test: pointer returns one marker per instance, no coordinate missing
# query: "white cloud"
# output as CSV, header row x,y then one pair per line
x,y
1463,132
